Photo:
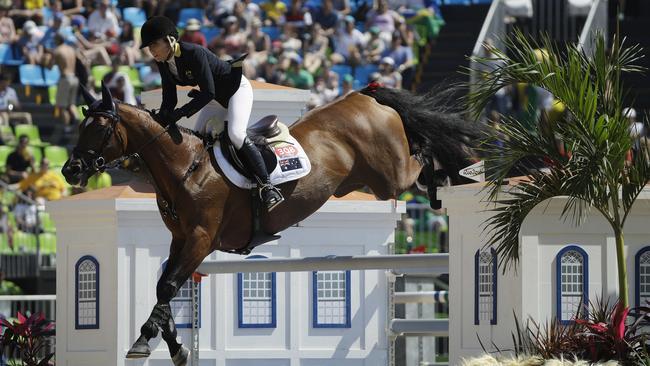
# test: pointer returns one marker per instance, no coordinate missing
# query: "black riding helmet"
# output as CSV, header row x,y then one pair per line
x,y
155,28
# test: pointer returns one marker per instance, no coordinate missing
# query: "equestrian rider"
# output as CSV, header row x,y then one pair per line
x,y
223,91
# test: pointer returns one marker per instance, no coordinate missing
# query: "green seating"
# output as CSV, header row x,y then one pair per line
x,y
37,153
4,153
8,199
133,75
46,223
47,242
57,155
51,94
4,244
24,242
98,72
32,132
7,135
99,180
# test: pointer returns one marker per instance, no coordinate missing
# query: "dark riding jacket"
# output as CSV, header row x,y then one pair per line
x,y
196,65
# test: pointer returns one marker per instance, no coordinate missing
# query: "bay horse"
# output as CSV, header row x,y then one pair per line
x,y
379,138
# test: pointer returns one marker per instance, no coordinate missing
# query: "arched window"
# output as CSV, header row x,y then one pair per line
x,y
256,298
181,305
572,282
87,293
485,286
642,265
331,299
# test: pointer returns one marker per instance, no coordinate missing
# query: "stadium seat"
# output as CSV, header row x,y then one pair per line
x,y
37,153
6,56
135,16
133,75
481,1
363,72
457,2
210,33
273,32
47,242
189,13
4,244
52,75
98,72
24,242
46,223
342,70
31,75
57,155
4,152
7,135
32,132
99,180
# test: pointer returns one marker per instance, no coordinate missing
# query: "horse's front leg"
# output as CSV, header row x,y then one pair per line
x,y
180,266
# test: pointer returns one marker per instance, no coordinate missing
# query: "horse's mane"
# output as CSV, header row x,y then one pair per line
x,y
185,130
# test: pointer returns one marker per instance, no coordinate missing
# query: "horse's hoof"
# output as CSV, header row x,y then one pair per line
x,y
181,357
139,350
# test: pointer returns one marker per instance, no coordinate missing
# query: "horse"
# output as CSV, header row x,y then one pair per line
x,y
378,138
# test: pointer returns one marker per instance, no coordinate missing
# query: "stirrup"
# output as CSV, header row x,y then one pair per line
x,y
274,201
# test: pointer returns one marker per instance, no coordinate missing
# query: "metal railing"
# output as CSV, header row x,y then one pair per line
x,y
494,28
596,22
10,305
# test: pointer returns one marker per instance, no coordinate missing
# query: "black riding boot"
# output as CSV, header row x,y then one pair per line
x,y
270,195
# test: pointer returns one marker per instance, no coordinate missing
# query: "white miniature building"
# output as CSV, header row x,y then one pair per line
x,y
112,245
559,265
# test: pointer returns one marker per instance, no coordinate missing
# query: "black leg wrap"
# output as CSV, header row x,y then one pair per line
x,y
149,329
165,292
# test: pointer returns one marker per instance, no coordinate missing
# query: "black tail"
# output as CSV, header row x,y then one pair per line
x,y
438,135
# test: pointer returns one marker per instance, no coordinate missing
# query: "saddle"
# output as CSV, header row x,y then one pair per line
x,y
259,132
284,158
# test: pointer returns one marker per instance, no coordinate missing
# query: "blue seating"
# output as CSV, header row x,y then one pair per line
x,y
6,56
457,2
481,1
273,32
135,16
189,13
31,75
363,72
342,70
210,33
52,75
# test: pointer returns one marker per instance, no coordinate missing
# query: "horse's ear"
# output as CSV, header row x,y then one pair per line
x,y
107,98
87,96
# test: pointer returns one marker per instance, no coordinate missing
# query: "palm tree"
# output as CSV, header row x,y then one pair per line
x,y
594,172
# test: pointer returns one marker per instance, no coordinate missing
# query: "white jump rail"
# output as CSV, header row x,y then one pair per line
x,y
422,297
432,263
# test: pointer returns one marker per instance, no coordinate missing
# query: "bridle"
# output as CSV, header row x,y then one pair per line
x,y
92,160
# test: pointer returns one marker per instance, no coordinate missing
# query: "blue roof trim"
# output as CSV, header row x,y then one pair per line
x,y
558,280
76,294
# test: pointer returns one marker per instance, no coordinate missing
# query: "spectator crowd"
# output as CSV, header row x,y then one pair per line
x,y
327,46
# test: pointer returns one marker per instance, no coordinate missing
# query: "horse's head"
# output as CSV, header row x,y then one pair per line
x,y
99,142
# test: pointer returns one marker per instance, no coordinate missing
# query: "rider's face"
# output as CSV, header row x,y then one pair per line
x,y
160,50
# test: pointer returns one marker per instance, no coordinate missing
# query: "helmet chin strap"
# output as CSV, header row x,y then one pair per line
x,y
172,44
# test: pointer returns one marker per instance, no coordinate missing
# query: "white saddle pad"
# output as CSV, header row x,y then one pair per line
x,y
293,162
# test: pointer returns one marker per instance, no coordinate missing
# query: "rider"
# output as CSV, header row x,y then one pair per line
x,y
223,90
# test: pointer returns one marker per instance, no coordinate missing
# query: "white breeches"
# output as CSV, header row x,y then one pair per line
x,y
237,114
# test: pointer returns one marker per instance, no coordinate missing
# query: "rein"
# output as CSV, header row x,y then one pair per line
x,y
99,165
